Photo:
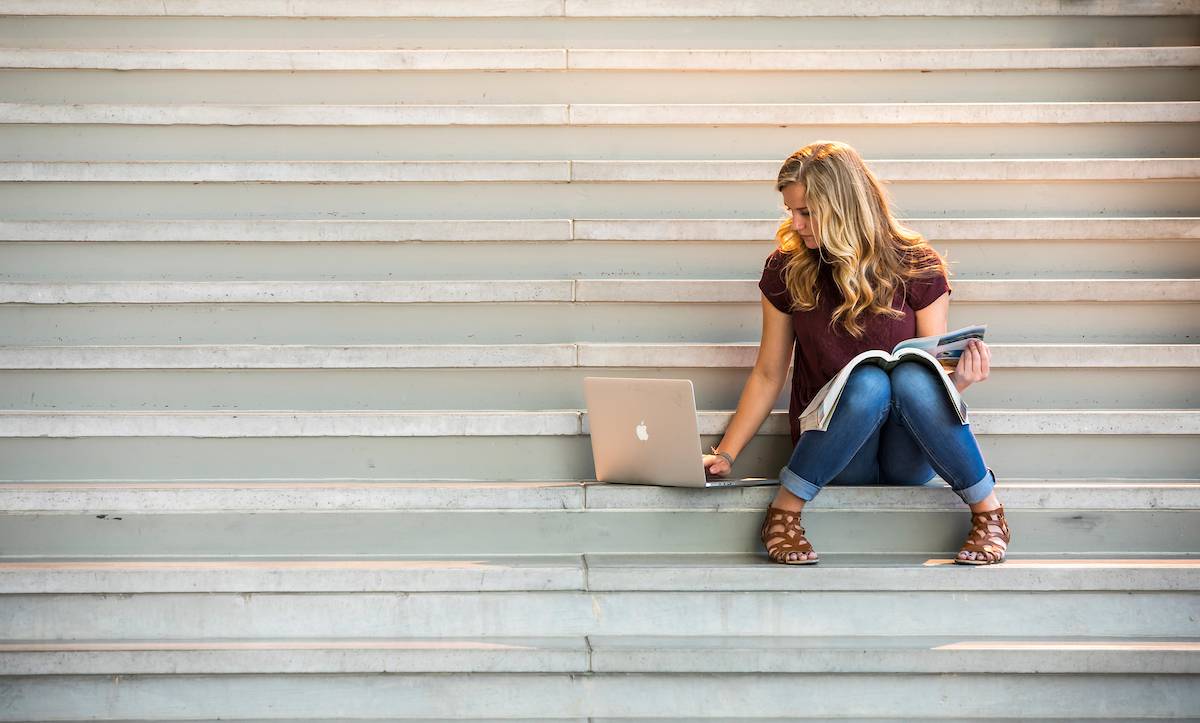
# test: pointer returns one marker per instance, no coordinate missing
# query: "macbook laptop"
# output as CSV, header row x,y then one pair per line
x,y
644,432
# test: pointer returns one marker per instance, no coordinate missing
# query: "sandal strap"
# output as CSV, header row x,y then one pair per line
x,y
989,532
790,539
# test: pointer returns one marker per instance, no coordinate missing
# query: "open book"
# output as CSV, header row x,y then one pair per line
x,y
941,353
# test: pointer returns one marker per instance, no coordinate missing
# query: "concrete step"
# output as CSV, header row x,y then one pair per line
x,y
978,137
518,356
661,291
614,76
498,446
595,59
782,8
1018,32
556,200
889,654
504,423
1146,186
684,572
211,250
361,517
1131,187
599,114
606,654
50,599
645,697
643,231
592,310
531,376
587,171
557,496
397,655
869,719
584,8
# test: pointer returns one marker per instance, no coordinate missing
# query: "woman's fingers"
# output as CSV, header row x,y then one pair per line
x,y
975,361
716,464
969,363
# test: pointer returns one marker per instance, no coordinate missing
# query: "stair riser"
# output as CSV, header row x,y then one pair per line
x,y
660,199
172,496
371,615
531,388
468,87
936,533
522,458
544,323
431,261
548,32
292,660
515,695
111,142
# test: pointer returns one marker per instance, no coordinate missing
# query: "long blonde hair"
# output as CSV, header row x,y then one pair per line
x,y
869,252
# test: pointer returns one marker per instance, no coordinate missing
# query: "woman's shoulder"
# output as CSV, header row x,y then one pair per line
x,y
776,259
773,284
920,254
928,277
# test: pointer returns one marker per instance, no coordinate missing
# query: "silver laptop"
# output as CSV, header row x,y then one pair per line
x,y
644,432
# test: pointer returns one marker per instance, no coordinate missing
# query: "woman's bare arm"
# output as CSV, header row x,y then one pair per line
x,y
974,364
765,382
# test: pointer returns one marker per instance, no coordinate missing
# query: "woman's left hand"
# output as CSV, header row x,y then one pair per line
x,y
973,365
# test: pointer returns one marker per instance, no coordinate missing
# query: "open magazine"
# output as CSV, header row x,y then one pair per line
x,y
941,353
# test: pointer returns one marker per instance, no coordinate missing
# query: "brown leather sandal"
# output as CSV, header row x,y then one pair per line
x,y
989,537
788,537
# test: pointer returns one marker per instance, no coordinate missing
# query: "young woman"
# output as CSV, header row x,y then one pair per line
x,y
845,278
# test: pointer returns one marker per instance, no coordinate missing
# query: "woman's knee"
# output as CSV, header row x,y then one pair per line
x,y
913,380
868,390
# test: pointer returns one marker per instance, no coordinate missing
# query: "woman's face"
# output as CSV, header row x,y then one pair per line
x,y
797,205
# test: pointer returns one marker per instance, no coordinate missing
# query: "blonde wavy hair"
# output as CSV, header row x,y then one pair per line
x,y
869,252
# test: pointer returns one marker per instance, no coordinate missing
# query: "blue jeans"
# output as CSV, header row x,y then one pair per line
x,y
891,428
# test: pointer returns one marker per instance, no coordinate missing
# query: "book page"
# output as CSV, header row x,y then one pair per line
x,y
822,405
946,348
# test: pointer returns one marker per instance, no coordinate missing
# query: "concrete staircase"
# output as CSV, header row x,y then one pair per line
x,y
296,299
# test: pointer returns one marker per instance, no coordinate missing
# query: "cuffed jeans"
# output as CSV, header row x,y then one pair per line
x,y
893,428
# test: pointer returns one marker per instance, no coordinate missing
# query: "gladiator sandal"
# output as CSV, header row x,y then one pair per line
x,y
787,536
988,539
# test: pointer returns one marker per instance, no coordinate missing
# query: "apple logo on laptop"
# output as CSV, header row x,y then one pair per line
x,y
641,431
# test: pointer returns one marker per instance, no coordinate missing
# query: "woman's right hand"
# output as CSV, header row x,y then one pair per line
x,y
716,465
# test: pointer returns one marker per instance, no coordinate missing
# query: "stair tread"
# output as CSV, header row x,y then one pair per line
x,y
497,643
751,230
739,355
592,8
545,422
594,574
553,58
577,171
607,654
661,291
566,642
399,496
607,114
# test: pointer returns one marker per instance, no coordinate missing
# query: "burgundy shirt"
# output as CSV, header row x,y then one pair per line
x,y
820,352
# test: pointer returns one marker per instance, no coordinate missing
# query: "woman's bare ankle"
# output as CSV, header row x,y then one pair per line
x,y
784,499
986,504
